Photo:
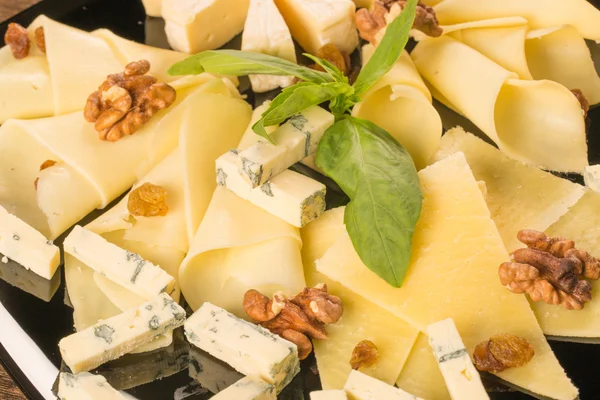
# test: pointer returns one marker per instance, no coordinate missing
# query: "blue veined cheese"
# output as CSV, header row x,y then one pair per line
x,y
462,379
85,386
295,140
293,197
249,348
360,386
26,246
248,388
212,373
591,177
123,267
119,335
328,395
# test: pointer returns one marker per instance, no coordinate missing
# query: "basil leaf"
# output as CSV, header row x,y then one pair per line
x,y
240,63
380,178
331,69
297,99
389,50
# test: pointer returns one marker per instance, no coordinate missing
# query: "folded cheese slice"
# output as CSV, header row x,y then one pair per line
x,y
400,103
531,121
454,274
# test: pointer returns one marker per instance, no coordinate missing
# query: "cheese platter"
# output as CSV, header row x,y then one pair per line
x,y
274,199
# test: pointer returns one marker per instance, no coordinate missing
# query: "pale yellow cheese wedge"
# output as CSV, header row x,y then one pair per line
x,y
531,121
362,320
400,103
454,274
518,196
152,7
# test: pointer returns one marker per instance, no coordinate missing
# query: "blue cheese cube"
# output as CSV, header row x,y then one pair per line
x,y
119,335
248,388
249,348
360,386
212,373
328,395
123,267
295,140
86,386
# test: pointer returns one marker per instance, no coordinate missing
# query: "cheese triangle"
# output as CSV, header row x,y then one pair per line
x,y
453,274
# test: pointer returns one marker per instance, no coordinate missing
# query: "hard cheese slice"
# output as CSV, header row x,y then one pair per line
x,y
518,196
453,274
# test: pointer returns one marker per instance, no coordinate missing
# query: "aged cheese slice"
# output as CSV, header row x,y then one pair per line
x,y
362,320
328,395
362,387
581,224
193,26
315,23
248,388
85,386
266,32
249,348
400,103
592,177
518,196
530,121
116,336
454,274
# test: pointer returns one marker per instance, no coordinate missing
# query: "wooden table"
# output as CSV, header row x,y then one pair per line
x,y
8,8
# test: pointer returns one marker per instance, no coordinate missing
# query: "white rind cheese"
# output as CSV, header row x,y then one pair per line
x,y
249,348
293,197
591,177
315,23
119,335
193,26
462,379
26,246
360,386
86,386
266,32
328,395
123,267
295,140
248,388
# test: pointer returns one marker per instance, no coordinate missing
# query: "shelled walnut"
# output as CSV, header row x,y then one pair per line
x,y
365,354
297,320
502,352
550,269
126,101
371,24
148,200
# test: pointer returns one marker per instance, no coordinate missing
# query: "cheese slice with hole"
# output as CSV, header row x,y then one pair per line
x,y
362,320
518,196
454,274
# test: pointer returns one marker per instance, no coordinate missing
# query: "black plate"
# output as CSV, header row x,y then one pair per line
x,y
47,322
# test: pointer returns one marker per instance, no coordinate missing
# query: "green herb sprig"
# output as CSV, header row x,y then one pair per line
x,y
372,168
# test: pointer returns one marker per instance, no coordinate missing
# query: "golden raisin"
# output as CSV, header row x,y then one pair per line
x,y
17,39
502,352
365,354
45,165
338,58
148,200
40,39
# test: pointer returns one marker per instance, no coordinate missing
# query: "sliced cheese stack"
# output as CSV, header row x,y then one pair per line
x,y
362,320
315,23
454,274
266,32
193,26
362,387
400,103
85,386
518,196
248,388
530,121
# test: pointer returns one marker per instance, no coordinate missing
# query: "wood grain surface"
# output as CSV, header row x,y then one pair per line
x,y
8,8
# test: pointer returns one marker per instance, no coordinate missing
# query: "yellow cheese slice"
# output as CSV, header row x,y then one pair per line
x,y
530,121
454,274
362,320
421,375
152,7
539,13
400,103
518,196
581,224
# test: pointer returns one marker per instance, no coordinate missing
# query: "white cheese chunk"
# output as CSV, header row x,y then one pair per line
x,y
249,348
248,388
26,246
293,197
212,373
86,386
193,26
360,386
295,140
591,177
315,23
266,32
328,395
127,269
462,379
116,336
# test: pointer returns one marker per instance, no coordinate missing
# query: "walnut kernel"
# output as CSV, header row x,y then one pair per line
x,y
17,38
365,354
148,200
502,352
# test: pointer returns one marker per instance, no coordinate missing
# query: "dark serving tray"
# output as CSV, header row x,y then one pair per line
x,y
35,326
